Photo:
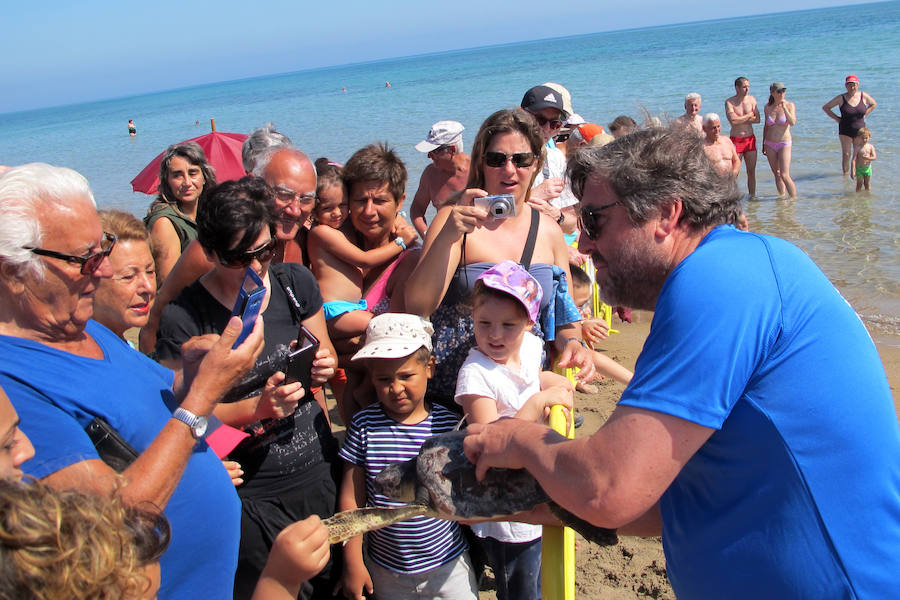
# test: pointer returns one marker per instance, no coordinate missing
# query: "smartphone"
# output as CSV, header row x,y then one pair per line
x,y
248,303
301,358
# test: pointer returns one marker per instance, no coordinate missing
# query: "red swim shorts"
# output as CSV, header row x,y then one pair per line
x,y
744,144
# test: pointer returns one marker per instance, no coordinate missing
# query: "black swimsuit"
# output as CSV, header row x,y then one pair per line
x,y
853,118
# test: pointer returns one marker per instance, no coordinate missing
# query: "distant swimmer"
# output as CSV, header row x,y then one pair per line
x,y
387,84
719,148
132,130
691,116
742,112
447,173
344,90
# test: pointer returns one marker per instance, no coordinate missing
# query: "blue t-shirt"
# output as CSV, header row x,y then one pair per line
x,y
375,441
797,492
57,394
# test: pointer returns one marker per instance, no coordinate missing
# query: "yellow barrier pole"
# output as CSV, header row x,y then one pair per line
x,y
558,544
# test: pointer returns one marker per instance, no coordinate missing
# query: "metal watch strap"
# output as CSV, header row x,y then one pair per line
x,y
189,419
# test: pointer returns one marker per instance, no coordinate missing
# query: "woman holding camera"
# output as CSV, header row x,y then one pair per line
x,y
469,236
289,456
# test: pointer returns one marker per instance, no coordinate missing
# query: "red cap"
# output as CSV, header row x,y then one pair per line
x,y
850,78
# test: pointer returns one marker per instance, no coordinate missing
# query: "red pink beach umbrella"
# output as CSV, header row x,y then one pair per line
x,y
223,151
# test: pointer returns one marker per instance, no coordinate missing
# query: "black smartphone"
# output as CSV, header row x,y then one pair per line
x,y
300,360
248,303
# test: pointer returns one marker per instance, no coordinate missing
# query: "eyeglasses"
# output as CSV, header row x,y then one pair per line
x,y
287,196
588,217
441,150
542,120
498,159
88,263
781,91
243,259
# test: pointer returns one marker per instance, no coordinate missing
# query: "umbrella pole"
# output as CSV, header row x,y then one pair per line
x,y
212,123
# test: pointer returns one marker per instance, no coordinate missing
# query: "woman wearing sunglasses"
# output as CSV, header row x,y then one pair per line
x,y
464,241
780,116
290,451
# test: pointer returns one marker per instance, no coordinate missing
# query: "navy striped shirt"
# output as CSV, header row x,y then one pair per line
x,y
374,441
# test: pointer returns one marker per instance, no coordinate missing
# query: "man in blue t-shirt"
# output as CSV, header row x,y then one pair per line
x,y
758,435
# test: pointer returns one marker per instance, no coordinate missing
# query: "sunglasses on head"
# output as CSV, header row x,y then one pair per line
x,y
243,259
542,120
499,159
88,263
588,217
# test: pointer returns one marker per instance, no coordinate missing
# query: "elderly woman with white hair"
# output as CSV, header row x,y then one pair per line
x,y
68,376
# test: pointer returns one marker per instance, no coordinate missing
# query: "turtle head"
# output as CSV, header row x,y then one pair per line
x,y
398,481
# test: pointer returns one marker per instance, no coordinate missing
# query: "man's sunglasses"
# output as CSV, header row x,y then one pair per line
x,y
88,263
243,259
587,219
499,159
554,123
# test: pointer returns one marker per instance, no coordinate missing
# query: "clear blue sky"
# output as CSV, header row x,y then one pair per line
x,y
57,52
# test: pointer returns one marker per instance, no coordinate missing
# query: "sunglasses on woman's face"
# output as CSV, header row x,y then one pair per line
x,y
243,259
498,159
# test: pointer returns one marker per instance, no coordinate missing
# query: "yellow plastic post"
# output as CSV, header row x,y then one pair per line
x,y
558,545
601,309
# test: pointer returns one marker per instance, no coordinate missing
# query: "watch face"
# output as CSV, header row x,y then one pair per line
x,y
200,427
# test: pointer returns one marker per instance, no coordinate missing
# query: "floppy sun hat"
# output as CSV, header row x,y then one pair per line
x,y
442,133
395,335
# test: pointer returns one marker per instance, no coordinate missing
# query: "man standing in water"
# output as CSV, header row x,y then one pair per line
x,y
691,117
742,113
719,149
760,440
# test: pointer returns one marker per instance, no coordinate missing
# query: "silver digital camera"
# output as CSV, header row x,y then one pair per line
x,y
499,206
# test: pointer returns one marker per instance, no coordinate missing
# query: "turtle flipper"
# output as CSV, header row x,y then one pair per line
x,y
351,523
592,533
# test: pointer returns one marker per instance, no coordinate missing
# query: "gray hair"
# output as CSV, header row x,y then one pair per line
x,y
692,96
265,157
710,117
23,191
651,167
259,140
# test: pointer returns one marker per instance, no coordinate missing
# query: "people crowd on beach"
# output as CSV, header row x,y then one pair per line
x,y
746,436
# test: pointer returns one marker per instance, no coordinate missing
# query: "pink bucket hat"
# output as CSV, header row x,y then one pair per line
x,y
509,277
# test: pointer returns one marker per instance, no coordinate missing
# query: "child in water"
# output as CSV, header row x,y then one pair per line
x,y
502,377
863,155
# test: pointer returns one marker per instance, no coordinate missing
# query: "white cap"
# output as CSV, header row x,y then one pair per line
x,y
395,335
443,133
575,119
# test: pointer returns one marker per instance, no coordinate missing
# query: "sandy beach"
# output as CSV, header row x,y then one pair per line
x,y
635,568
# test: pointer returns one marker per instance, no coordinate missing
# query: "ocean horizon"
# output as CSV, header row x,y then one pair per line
x,y
638,72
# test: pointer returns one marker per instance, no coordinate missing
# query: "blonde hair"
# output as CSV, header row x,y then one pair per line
x,y
66,544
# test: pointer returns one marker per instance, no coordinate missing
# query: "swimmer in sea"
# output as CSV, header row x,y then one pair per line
x,y
132,130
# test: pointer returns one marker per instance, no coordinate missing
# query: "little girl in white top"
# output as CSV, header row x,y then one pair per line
x,y
502,377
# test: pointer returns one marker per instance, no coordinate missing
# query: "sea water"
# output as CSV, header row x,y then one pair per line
x,y
853,237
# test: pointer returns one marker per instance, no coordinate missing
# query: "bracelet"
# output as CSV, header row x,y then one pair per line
x,y
399,242
579,340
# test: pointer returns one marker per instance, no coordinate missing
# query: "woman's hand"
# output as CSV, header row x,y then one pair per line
x,y
300,551
465,216
234,471
323,366
405,231
278,401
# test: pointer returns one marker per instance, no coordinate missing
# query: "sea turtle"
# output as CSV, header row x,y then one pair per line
x,y
440,482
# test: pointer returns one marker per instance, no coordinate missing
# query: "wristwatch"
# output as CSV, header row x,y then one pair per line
x,y
399,241
562,217
196,423
579,340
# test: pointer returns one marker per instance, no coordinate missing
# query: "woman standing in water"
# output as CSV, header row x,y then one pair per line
x,y
780,116
855,106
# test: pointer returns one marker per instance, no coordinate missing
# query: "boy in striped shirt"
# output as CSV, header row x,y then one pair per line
x,y
421,557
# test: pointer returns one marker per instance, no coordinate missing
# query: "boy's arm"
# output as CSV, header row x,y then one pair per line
x,y
352,496
338,245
